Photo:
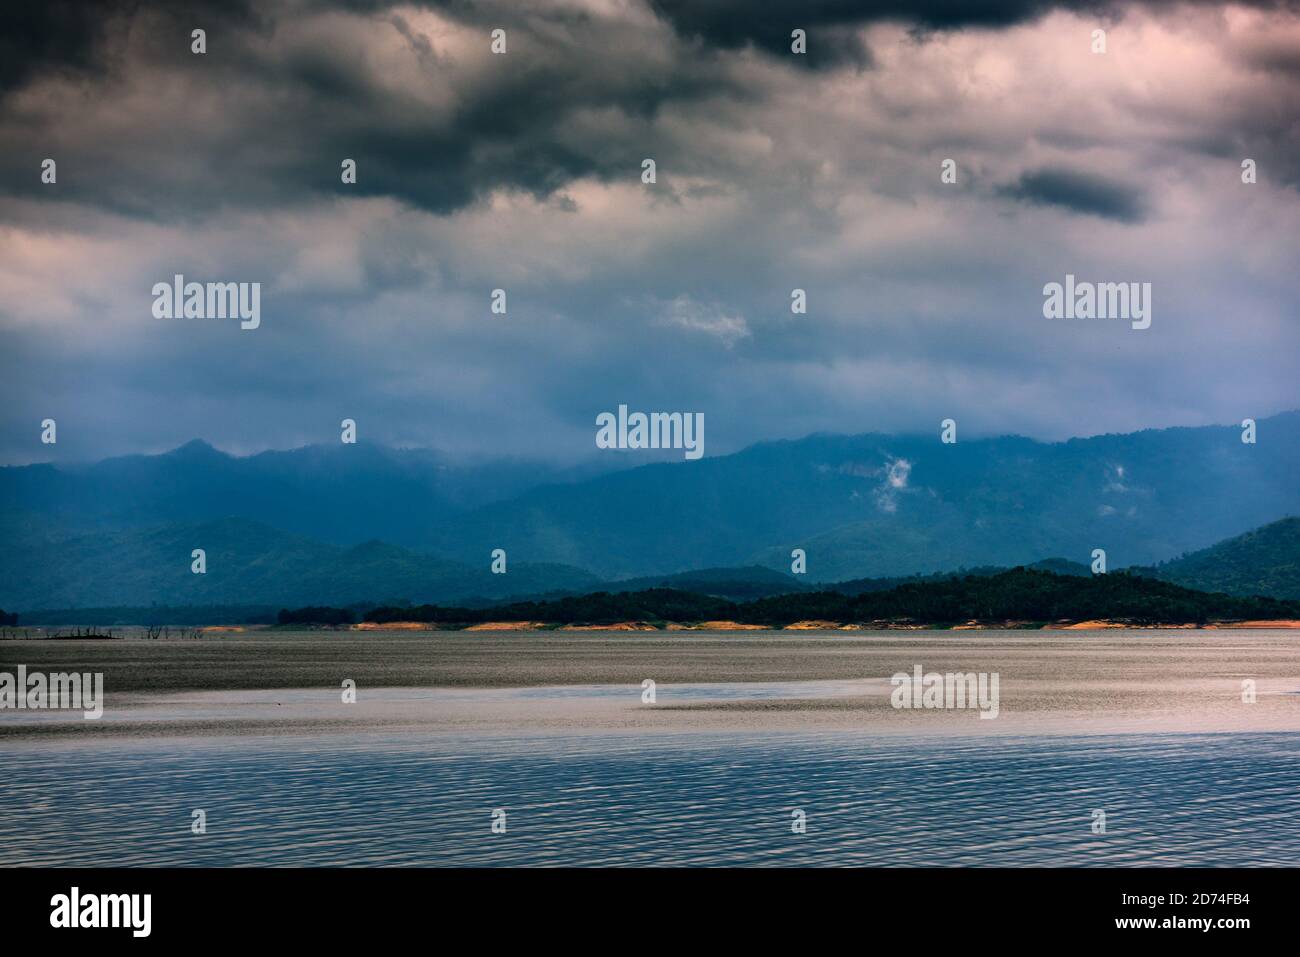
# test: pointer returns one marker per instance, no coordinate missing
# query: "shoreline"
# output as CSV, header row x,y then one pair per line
x,y
810,625
135,632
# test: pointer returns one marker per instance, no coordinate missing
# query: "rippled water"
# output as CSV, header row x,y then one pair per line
x,y
1213,799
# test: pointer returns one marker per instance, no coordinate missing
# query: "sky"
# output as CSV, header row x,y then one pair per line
x,y
522,171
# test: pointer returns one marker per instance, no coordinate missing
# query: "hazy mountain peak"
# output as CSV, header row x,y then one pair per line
x,y
197,449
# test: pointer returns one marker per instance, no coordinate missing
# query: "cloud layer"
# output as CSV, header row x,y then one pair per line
x,y
523,172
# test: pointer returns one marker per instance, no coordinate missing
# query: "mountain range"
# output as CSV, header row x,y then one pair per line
x,y
1264,561
349,523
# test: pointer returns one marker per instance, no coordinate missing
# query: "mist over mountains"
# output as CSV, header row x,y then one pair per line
x,y
337,524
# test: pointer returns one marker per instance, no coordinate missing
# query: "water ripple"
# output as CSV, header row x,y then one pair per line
x,y
1189,800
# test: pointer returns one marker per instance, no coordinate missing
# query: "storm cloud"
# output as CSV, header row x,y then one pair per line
x,y
522,172
1080,192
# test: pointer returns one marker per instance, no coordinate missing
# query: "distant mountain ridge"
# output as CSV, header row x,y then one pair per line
x,y
248,563
735,584
342,494
1264,561
336,524
881,506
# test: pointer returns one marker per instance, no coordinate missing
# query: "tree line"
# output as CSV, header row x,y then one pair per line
x,y
1019,594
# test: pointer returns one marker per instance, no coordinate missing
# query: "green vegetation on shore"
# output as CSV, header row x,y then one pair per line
x,y
1027,596
1021,594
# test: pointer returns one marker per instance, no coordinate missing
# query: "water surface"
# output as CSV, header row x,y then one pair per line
x,y
1151,728
1195,800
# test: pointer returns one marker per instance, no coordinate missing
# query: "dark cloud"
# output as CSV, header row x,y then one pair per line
x,y
58,35
733,24
272,120
88,37
831,24
1081,193
265,117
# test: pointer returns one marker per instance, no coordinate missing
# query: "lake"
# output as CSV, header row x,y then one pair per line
x,y
1150,730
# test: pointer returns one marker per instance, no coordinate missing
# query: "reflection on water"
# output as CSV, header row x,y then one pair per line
x,y
655,799
419,704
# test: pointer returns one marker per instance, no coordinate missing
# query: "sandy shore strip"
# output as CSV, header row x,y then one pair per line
x,y
812,625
